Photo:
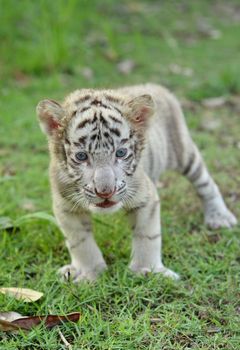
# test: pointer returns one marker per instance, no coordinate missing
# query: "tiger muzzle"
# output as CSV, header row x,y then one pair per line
x,y
104,182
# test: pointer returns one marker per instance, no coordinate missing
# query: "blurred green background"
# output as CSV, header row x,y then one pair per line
x,y
190,45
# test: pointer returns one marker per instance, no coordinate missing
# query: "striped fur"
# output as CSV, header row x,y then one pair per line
x,y
147,123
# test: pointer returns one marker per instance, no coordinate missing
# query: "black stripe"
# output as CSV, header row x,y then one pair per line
x,y
189,164
82,139
83,99
90,147
67,141
197,173
84,109
73,113
96,102
106,134
100,104
94,118
93,137
74,161
105,106
103,120
202,185
115,131
74,166
132,133
116,120
140,235
83,123
118,110
153,237
81,241
112,99
129,156
106,145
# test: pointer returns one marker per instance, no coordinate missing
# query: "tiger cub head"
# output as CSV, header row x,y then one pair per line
x,y
95,142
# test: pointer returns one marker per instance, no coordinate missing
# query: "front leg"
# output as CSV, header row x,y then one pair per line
x,y
147,238
86,259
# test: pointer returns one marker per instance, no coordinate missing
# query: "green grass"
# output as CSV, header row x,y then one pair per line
x,y
44,48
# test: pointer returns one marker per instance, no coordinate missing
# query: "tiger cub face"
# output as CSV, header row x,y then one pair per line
x,y
95,141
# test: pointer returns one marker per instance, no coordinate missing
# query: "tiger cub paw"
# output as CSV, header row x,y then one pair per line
x,y
161,269
220,218
69,272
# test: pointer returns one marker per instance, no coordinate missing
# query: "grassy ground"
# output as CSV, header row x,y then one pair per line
x,y
50,48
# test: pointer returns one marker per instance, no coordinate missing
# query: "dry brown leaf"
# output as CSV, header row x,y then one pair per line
x,y
25,294
27,323
6,326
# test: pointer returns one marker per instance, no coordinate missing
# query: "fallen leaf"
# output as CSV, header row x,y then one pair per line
x,y
214,102
10,316
6,326
126,67
25,294
29,322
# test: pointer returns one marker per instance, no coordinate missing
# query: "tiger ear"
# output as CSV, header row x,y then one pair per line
x,y
49,114
141,108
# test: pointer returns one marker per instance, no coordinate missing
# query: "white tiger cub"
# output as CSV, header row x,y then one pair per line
x,y
108,149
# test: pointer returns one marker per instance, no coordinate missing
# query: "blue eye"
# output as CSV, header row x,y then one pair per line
x,y
82,156
121,152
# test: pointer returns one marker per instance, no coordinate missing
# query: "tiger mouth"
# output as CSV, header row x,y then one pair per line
x,y
106,204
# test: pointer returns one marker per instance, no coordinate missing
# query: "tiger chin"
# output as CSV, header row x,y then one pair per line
x,y
108,149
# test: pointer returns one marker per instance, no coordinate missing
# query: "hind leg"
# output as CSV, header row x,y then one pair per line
x,y
216,214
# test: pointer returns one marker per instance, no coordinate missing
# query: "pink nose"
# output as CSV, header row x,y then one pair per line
x,y
105,195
